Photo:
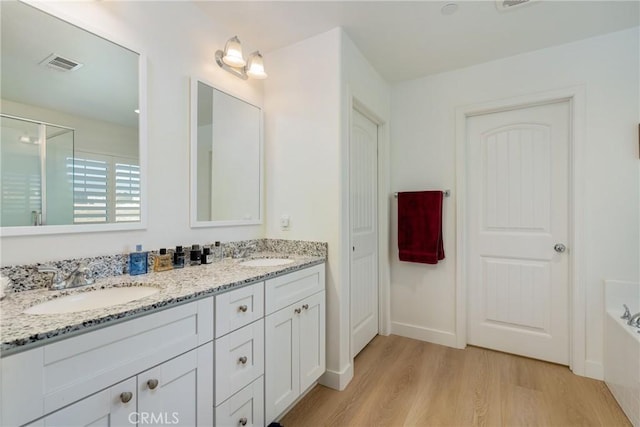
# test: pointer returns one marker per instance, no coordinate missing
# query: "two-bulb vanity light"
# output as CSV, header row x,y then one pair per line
x,y
232,61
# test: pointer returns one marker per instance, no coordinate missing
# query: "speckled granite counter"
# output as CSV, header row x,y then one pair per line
x,y
21,331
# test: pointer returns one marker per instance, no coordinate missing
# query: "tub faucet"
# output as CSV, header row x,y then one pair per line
x,y
634,320
627,314
81,276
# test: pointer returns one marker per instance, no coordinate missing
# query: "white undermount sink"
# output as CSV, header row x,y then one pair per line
x,y
90,300
266,262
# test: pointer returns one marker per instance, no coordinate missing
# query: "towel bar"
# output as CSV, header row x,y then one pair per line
x,y
445,193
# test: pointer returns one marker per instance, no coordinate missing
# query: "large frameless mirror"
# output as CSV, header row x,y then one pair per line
x,y
226,158
71,116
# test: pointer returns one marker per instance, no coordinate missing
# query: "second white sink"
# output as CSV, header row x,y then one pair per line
x,y
91,300
266,262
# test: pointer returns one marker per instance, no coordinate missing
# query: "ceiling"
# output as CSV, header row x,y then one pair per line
x,y
104,88
408,39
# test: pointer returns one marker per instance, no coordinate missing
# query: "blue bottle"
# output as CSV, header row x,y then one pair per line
x,y
138,261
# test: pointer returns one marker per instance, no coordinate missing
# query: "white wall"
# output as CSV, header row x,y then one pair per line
x,y
423,157
90,135
179,41
308,100
364,89
302,158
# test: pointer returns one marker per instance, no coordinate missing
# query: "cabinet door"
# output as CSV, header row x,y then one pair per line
x,y
107,408
282,369
168,393
312,340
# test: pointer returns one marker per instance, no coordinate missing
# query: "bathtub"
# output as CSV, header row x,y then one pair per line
x,y
622,347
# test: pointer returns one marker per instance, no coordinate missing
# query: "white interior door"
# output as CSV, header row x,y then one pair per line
x,y
518,213
364,231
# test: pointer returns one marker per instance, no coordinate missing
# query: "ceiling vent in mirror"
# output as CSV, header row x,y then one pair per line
x,y
61,63
504,5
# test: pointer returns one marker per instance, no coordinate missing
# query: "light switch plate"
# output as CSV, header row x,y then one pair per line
x,y
285,222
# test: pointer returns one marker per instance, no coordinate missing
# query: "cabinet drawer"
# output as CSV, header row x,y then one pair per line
x,y
239,359
290,288
245,408
238,308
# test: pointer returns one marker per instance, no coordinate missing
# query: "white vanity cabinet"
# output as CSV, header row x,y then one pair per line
x,y
294,337
84,370
164,394
238,359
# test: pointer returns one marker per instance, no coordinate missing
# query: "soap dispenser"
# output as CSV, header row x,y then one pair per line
x,y
138,261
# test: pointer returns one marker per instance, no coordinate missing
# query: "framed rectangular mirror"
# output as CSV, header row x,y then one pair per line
x,y
73,118
226,158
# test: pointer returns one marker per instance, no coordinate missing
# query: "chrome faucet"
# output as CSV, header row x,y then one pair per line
x,y
627,314
634,320
81,276
244,251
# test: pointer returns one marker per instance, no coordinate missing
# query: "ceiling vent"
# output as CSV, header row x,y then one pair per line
x,y
504,5
61,63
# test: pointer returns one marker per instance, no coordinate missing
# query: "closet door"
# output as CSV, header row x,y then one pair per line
x,y
363,177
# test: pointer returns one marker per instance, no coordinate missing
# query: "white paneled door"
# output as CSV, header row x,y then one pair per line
x,y
518,265
364,231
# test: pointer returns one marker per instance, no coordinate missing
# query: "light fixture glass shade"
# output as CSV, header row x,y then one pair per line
x,y
255,68
233,53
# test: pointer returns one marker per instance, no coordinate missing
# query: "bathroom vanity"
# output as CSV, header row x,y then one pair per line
x,y
223,344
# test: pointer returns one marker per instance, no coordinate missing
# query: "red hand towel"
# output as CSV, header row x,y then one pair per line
x,y
420,226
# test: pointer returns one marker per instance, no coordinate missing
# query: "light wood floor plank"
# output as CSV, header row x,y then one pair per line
x,y
403,382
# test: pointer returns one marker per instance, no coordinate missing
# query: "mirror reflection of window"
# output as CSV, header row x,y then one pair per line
x,y
105,188
40,84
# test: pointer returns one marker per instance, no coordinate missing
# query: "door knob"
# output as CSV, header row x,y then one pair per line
x,y
559,247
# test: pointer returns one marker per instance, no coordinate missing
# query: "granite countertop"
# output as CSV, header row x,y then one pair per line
x,y
20,331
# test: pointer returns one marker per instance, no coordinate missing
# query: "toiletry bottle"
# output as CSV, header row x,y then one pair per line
x,y
195,255
163,261
217,252
138,261
207,256
178,258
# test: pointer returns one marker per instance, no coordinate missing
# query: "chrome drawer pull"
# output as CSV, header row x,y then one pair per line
x,y
243,360
297,311
126,396
243,308
152,384
306,306
243,421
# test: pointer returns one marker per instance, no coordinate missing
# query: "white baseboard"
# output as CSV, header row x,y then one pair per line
x,y
594,370
424,334
337,380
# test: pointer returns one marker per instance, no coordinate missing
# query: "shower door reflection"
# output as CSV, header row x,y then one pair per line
x,y
36,167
